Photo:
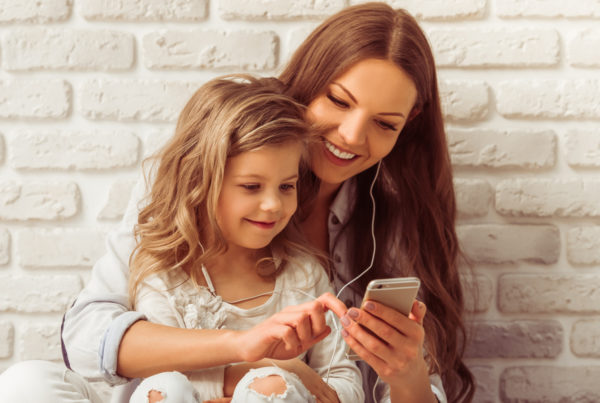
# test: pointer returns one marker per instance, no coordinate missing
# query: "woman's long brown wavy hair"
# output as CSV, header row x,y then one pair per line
x,y
227,116
414,191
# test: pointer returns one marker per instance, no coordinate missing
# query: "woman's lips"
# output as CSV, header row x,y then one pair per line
x,y
335,159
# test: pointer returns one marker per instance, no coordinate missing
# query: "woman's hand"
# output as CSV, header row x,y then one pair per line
x,y
289,332
396,354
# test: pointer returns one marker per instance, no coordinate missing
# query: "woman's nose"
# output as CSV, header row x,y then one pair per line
x,y
353,129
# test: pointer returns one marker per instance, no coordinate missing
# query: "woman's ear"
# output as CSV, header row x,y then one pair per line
x,y
413,114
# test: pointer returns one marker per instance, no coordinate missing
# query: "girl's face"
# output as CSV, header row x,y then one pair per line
x,y
258,196
366,108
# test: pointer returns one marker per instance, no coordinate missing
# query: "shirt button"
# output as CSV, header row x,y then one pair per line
x,y
349,303
337,258
334,220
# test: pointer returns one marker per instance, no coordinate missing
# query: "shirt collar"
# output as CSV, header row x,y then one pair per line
x,y
344,201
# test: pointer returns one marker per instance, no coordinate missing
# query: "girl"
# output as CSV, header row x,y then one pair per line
x,y
368,74
215,251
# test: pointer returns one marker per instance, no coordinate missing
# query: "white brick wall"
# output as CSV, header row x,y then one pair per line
x,y
88,88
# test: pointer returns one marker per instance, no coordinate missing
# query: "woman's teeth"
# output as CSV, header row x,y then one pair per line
x,y
337,152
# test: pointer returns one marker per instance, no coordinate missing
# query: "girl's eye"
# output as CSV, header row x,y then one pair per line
x,y
250,186
338,102
386,126
286,187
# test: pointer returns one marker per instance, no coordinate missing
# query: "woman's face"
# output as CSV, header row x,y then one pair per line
x,y
366,109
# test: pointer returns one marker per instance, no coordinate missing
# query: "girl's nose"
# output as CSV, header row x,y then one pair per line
x,y
271,202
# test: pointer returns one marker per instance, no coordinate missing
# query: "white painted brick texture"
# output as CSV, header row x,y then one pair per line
x,y
143,10
61,247
37,200
438,9
210,49
35,48
89,88
37,99
278,9
73,150
34,11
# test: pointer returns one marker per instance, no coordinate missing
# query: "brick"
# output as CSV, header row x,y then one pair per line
x,y
464,100
118,197
134,100
37,293
580,46
498,243
73,150
549,293
7,338
549,99
548,197
200,49
40,342
67,49
438,9
515,339
473,197
38,201
582,148
547,8
515,48
278,9
547,384
37,99
478,292
4,246
486,383
502,148
143,10
585,338
59,247
583,245
34,11
295,38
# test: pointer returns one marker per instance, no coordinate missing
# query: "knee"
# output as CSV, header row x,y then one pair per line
x,y
269,385
165,387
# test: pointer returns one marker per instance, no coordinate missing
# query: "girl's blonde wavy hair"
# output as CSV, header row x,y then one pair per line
x,y
227,116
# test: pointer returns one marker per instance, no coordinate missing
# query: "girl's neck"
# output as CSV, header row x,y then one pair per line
x,y
236,260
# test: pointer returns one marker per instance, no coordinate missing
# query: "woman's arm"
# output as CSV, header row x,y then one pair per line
x,y
399,361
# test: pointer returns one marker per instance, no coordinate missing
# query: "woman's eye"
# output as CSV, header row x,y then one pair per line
x,y
338,102
386,126
286,187
250,186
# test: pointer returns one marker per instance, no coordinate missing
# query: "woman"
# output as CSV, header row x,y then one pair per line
x,y
366,74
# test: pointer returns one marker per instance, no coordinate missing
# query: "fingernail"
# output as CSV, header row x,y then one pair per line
x,y
421,306
369,306
344,333
345,321
353,313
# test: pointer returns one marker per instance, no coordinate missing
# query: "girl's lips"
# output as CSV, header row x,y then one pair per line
x,y
335,160
262,224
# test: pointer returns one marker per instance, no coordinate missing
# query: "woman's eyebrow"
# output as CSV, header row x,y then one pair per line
x,y
356,102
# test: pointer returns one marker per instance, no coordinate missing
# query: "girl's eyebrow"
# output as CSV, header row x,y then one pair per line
x,y
255,176
356,102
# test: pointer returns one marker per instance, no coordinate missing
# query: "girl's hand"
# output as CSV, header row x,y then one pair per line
x,y
396,354
313,382
289,332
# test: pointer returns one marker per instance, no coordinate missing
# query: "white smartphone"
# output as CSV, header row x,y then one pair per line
x,y
398,293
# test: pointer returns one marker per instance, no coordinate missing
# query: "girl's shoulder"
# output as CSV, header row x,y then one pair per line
x,y
305,273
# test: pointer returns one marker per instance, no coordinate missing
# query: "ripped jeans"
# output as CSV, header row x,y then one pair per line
x,y
176,388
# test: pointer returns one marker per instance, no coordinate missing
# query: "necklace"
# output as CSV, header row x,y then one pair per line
x,y
211,289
